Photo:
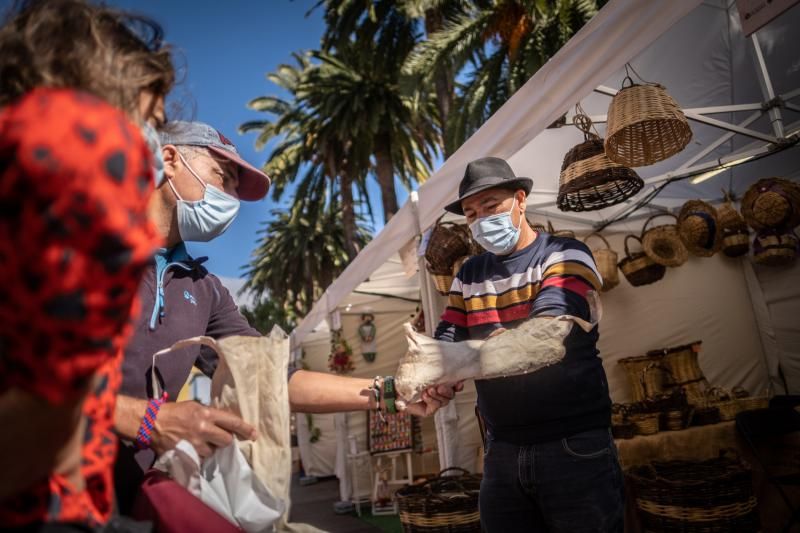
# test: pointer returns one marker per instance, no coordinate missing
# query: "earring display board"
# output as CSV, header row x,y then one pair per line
x,y
394,433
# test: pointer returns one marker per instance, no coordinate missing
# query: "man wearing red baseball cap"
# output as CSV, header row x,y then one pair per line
x,y
200,181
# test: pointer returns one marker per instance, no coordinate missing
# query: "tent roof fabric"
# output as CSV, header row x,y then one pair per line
x,y
694,48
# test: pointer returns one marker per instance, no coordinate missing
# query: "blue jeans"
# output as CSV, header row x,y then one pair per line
x,y
570,485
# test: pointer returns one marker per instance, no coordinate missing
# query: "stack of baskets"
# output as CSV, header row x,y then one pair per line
x,y
448,243
735,235
695,496
445,504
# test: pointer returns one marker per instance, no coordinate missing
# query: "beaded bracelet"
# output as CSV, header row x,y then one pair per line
x,y
389,395
144,437
376,392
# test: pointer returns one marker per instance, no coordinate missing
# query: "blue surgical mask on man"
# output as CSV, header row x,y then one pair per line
x,y
205,219
497,233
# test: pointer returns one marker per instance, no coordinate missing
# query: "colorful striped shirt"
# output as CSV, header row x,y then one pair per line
x,y
550,277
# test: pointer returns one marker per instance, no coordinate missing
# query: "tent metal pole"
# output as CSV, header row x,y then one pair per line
x,y
766,88
602,119
724,138
731,127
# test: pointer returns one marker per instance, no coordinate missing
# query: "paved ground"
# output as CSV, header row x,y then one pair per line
x,y
313,504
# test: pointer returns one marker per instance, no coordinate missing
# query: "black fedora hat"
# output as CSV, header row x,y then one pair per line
x,y
487,173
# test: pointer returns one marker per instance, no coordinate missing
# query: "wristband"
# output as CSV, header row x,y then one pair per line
x,y
389,395
144,437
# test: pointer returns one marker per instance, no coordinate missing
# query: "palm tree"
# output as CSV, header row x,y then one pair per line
x,y
301,251
391,121
502,43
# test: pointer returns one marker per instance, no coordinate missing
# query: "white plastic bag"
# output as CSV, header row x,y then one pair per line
x,y
224,482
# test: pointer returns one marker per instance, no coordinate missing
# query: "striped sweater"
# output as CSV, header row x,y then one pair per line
x,y
550,277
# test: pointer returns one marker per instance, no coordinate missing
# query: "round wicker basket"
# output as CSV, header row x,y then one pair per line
x,y
589,180
772,203
443,504
645,126
775,248
699,228
606,260
663,244
638,268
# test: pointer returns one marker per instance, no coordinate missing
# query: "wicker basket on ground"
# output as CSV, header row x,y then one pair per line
x,y
704,416
589,180
775,247
606,260
735,234
448,242
645,374
712,496
445,504
699,228
645,126
684,370
646,423
638,268
772,203
662,243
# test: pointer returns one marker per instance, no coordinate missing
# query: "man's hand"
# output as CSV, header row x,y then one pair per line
x,y
434,398
204,427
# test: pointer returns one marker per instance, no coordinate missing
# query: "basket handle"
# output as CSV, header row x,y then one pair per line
x,y
631,236
550,228
463,471
595,234
644,228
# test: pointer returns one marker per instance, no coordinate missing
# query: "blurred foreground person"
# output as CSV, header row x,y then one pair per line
x,y
81,86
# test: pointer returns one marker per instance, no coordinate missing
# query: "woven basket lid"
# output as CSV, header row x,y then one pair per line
x,y
662,243
645,126
589,180
699,228
772,203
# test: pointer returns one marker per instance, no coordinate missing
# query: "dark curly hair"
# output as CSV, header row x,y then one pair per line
x,y
73,43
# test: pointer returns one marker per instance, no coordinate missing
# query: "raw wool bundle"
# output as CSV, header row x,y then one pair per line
x,y
536,343
606,260
251,382
772,203
699,228
638,268
645,126
735,235
662,243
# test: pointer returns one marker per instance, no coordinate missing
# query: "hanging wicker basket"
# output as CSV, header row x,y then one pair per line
x,y
772,203
448,242
645,126
638,268
662,243
699,228
589,180
606,260
735,234
775,248
569,234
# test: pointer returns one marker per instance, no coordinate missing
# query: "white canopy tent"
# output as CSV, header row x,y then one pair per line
x,y
741,95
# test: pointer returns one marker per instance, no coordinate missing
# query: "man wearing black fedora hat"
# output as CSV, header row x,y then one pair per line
x,y
550,463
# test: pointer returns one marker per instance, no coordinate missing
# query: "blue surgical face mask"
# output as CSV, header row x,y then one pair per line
x,y
496,233
205,219
151,138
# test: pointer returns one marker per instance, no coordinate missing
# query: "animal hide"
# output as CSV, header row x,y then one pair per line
x,y
534,344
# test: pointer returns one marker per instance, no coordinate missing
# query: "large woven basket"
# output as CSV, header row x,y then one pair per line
x,y
699,228
589,180
638,268
772,203
446,504
735,235
775,248
645,126
713,496
606,260
645,374
684,370
662,243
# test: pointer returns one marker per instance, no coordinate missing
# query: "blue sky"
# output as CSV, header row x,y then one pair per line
x,y
227,48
